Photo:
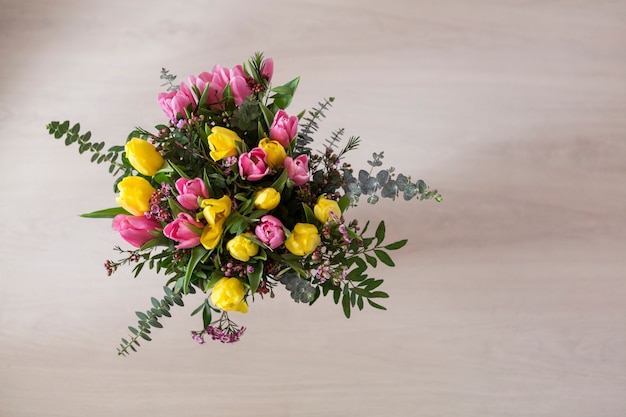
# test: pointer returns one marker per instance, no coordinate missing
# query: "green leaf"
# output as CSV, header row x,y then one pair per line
x,y
345,303
396,245
280,182
64,126
281,89
379,294
343,203
380,233
206,314
285,93
106,213
156,303
254,278
178,170
373,284
268,115
196,255
141,315
145,336
375,305
336,295
157,241
310,216
371,260
197,310
361,291
384,258
168,291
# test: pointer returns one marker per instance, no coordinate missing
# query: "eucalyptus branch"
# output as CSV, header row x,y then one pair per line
x,y
169,80
84,145
150,319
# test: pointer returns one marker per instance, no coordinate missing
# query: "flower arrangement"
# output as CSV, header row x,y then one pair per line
x,y
228,199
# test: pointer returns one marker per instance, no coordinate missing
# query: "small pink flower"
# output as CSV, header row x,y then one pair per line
x,y
284,128
298,169
267,69
270,231
180,231
189,191
253,165
175,102
135,229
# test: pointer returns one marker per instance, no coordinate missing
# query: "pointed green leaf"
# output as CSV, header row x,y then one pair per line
x,y
380,233
371,260
384,258
396,245
375,305
105,214
345,303
254,278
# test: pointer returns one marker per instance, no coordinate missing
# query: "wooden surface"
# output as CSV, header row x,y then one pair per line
x,y
510,299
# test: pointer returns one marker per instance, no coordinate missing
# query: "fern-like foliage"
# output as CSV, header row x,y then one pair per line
x,y
310,125
149,319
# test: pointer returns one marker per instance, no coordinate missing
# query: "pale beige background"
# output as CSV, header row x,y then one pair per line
x,y
510,299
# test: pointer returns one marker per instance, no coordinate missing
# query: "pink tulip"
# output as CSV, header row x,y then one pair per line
x,y
200,83
253,165
189,191
270,231
135,229
174,103
267,69
284,128
180,231
298,169
221,77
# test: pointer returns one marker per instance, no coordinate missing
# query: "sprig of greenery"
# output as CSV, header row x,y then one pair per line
x,y
356,286
386,183
150,319
310,125
112,156
169,80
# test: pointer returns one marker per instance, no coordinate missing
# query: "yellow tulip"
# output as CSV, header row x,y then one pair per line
x,y
223,143
135,194
216,210
303,239
242,248
275,152
211,235
324,207
266,199
228,295
143,156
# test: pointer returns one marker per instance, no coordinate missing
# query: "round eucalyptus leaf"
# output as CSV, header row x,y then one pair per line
x,y
390,190
382,176
410,191
370,186
363,176
402,181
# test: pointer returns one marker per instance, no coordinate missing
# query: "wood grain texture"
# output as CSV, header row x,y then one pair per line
x,y
509,298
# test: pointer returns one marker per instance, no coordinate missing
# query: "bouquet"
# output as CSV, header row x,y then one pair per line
x,y
228,199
